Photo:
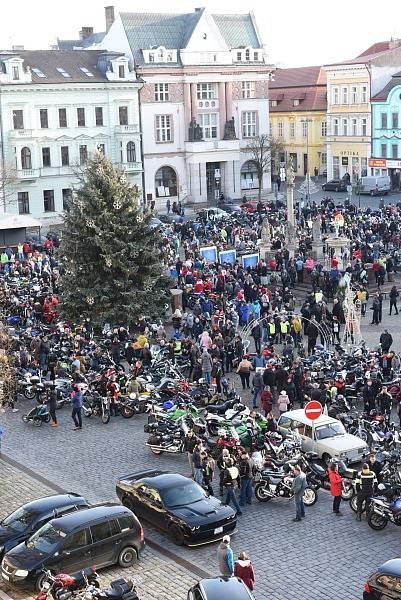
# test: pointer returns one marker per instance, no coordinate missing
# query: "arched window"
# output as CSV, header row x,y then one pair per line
x,y
26,161
131,153
249,176
247,54
165,182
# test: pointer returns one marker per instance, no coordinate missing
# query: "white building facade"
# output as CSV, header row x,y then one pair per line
x,y
56,109
205,96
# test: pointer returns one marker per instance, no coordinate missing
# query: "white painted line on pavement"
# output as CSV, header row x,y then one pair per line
x,y
5,596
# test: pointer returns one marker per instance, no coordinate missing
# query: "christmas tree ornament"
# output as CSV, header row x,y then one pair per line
x,y
90,300
117,204
108,262
90,222
123,179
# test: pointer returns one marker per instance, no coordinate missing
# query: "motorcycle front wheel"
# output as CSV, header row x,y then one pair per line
x,y
310,496
376,522
105,417
348,491
126,412
29,393
354,505
262,492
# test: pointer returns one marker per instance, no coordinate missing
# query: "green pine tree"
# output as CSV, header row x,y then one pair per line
x,y
111,258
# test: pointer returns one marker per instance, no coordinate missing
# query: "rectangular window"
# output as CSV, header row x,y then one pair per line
x,y
249,125
161,92
23,203
248,89
123,115
44,120
335,95
384,120
345,95
121,71
81,117
100,532
205,91
18,119
15,71
256,56
394,151
394,120
101,148
364,166
295,102
335,126
151,57
324,129
292,129
280,129
305,125
239,56
163,128
354,95
324,159
364,94
336,167
62,117
354,127
46,162
83,154
48,200
384,150
364,127
208,124
345,126
65,156
98,116
67,197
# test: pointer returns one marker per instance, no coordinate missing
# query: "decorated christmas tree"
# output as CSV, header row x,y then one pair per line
x,y
112,260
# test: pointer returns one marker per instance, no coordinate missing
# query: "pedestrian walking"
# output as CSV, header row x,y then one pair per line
x,y
168,205
244,371
393,299
208,466
257,387
197,461
336,488
230,479
53,405
298,489
245,473
283,402
365,484
189,446
266,399
226,557
207,366
243,568
77,400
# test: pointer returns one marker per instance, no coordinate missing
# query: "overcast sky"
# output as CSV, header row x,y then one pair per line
x,y
297,33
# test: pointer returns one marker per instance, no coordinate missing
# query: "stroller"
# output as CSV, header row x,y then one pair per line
x,y
38,415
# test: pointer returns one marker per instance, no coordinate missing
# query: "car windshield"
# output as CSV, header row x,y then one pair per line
x,y
46,539
181,495
19,520
329,430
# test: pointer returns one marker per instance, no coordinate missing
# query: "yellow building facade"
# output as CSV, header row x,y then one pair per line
x,y
298,117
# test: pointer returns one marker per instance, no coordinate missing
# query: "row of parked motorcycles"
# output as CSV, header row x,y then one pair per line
x,y
84,585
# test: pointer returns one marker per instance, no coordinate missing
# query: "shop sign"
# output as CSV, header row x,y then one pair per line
x,y
349,153
394,164
378,162
344,161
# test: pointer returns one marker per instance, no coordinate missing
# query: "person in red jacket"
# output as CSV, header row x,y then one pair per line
x,y
243,568
336,487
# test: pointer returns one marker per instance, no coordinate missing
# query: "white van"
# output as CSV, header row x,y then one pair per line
x,y
325,435
375,186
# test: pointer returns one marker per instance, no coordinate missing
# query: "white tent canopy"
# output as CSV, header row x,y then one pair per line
x,y
18,222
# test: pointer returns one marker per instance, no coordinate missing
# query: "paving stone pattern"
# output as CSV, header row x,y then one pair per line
x,y
322,557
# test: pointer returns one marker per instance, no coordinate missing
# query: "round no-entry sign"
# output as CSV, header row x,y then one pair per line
x,y
313,410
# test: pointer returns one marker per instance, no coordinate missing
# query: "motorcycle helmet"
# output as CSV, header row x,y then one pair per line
x,y
373,413
35,380
396,506
168,405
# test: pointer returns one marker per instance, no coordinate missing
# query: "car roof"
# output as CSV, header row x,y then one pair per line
x,y
166,480
299,415
391,567
217,588
88,515
49,502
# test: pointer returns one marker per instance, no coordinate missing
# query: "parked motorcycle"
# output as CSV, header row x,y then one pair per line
x,y
382,511
120,589
61,586
275,484
98,405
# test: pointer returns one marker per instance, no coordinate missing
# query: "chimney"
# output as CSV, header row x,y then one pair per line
x,y
85,32
393,44
109,13
17,48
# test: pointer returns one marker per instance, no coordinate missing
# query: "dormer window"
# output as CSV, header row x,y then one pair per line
x,y
169,57
160,56
247,54
121,71
15,73
239,56
295,102
273,102
151,57
256,56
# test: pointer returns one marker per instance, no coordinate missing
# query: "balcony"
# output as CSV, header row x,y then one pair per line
x,y
28,174
21,133
127,129
213,146
208,104
131,167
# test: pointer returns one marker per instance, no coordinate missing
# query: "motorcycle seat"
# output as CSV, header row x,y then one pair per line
x,y
220,409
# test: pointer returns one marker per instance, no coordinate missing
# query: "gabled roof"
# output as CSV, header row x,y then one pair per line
x,y
173,31
370,54
299,76
379,47
71,61
383,94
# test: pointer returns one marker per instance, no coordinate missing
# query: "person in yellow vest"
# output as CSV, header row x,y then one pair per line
x,y
271,330
142,340
363,296
296,325
318,296
284,329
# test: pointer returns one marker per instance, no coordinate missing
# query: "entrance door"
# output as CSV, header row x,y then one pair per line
x,y
213,181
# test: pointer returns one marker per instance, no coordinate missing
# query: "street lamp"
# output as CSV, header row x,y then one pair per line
x,y
307,121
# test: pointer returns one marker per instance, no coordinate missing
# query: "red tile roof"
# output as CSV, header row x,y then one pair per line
x,y
380,47
371,53
306,84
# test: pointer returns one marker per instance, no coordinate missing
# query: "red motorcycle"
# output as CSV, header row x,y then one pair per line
x,y
61,586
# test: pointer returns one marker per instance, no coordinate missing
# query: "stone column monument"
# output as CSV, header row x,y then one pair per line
x,y
317,243
290,231
265,241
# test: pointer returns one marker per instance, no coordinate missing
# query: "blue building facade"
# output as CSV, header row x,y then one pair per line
x,y
386,132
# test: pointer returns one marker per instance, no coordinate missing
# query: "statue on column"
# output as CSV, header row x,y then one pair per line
x,y
317,229
265,236
229,130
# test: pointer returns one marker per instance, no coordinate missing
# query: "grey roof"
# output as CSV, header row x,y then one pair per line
x,y
173,31
95,38
383,94
69,60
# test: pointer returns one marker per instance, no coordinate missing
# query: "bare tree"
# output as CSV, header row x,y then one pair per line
x,y
8,181
264,150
